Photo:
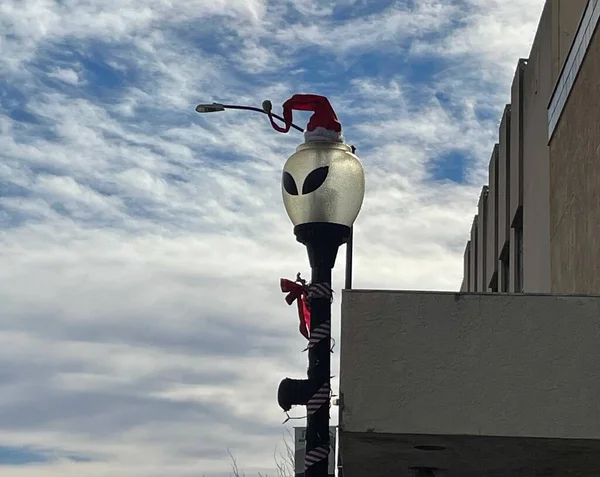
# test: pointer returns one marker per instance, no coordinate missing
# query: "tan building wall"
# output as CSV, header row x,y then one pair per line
x,y
473,256
491,261
575,182
537,88
482,240
516,242
515,216
503,202
516,145
565,20
503,383
466,284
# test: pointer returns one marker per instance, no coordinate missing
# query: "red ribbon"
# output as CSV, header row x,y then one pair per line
x,y
298,293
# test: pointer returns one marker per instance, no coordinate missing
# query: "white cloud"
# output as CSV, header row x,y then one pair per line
x,y
67,75
383,30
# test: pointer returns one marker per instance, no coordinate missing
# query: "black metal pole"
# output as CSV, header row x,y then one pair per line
x,y
319,370
322,241
349,251
349,247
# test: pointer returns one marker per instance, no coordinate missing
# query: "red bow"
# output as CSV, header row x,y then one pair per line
x,y
297,293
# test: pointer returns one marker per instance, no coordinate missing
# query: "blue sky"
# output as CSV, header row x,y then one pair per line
x,y
142,331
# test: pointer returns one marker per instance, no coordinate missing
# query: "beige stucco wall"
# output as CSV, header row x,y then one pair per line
x,y
491,251
566,15
516,144
528,141
470,364
466,267
473,256
575,183
482,240
537,87
503,180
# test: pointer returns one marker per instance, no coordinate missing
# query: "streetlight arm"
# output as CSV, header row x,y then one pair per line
x,y
252,108
203,108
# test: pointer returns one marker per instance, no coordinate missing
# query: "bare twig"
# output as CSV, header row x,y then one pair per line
x,y
234,466
284,460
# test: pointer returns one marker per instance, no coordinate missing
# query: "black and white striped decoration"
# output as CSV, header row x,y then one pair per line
x,y
318,399
320,290
323,331
316,455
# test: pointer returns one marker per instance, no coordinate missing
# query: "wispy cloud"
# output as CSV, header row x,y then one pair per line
x,y
67,75
142,329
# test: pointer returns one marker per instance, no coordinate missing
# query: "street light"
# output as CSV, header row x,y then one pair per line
x,y
325,207
323,187
210,108
266,109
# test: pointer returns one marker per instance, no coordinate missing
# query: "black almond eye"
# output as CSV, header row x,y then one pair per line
x,y
289,184
315,179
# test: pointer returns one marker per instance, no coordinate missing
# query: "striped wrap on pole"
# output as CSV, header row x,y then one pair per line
x,y
316,455
319,290
322,332
322,395
318,399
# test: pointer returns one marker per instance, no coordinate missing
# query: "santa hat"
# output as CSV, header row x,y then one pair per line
x,y
323,124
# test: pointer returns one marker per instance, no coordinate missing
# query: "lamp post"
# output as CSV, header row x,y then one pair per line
x,y
323,187
322,220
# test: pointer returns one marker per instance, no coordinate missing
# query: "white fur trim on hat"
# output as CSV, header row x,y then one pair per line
x,y
322,134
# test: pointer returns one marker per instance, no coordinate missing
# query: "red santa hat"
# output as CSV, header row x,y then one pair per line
x,y
323,124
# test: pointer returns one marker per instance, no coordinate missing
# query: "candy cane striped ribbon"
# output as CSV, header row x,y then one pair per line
x,y
316,455
321,332
318,399
320,290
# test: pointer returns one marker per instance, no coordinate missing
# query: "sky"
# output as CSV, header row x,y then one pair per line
x,y
142,328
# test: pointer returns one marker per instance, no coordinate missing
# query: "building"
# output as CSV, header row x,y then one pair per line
x,y
479,384
537,227
472,384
